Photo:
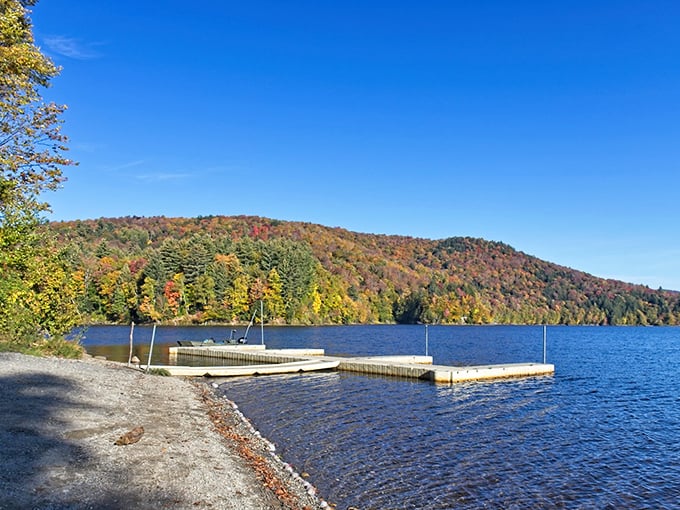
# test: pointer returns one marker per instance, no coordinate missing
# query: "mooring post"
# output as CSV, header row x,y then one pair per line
x,y
544,344
426,340
153,335
262,321
132,329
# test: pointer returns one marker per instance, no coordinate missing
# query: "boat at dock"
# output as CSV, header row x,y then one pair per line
x,y
210,342
232,340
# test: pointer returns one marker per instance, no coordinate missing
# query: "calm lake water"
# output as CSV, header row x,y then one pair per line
x,y
603,432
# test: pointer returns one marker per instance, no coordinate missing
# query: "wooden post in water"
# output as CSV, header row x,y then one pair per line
x,y
545,334
132,329
153,335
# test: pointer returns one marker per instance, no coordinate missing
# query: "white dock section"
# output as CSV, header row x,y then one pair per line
x,y
246,353
231,371
412,367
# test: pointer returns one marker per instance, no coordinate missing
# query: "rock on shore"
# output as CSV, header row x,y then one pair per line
x,y
60,421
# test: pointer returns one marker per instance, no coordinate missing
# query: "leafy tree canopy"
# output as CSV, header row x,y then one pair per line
x,y
31,144
36,295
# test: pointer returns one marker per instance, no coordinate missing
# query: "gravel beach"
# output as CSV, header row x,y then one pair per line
x,y
60,420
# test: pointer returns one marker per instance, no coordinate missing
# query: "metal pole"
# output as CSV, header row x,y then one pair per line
x,y
132,329
153,335
426,339
250,324
544,343
262,321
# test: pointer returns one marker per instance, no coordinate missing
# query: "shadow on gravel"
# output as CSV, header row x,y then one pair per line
x,y
40,467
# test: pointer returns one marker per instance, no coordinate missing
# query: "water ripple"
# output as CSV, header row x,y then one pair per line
x,y
603,433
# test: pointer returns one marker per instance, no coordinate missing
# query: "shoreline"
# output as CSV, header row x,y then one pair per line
x,y
197,450
272,470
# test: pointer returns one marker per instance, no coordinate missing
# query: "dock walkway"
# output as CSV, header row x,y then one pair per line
x,y
412,367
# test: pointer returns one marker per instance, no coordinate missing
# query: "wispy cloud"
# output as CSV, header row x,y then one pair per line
x,y
125,166
146,174
159,177
70,47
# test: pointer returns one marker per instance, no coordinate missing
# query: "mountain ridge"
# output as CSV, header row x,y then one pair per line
x,y
334,275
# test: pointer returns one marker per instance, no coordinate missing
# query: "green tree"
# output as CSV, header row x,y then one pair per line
x,y
200,252
273,299
223,270
172,256
156,271
201,294
296,266
32,151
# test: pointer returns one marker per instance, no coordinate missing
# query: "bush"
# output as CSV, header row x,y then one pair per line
x,y
49,346
18,334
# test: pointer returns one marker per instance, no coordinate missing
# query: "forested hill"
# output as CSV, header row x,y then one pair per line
x,y
217,269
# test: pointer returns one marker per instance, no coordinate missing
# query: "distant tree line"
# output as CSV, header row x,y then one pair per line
x,y
218,269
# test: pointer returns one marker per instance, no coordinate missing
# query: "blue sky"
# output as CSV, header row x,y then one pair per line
x,y
550,126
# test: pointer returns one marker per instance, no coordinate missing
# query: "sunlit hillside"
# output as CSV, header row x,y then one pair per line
x,y
216,269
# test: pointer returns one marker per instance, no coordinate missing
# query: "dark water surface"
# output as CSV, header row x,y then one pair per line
x,y
604,432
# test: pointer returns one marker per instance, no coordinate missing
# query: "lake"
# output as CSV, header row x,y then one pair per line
x,y
603,432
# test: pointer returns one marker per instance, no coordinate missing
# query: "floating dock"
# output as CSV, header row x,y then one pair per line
x,y
412,367
266,369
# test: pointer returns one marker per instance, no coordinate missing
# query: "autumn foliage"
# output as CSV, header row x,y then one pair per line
x,y
218,269
37,293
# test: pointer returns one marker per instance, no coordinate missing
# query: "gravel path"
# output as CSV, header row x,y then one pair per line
x,y
59,420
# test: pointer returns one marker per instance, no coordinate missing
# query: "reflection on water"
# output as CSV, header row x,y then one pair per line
x,y
604,432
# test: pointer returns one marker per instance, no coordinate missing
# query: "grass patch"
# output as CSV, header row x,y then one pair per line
x,y
159,371
50,346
